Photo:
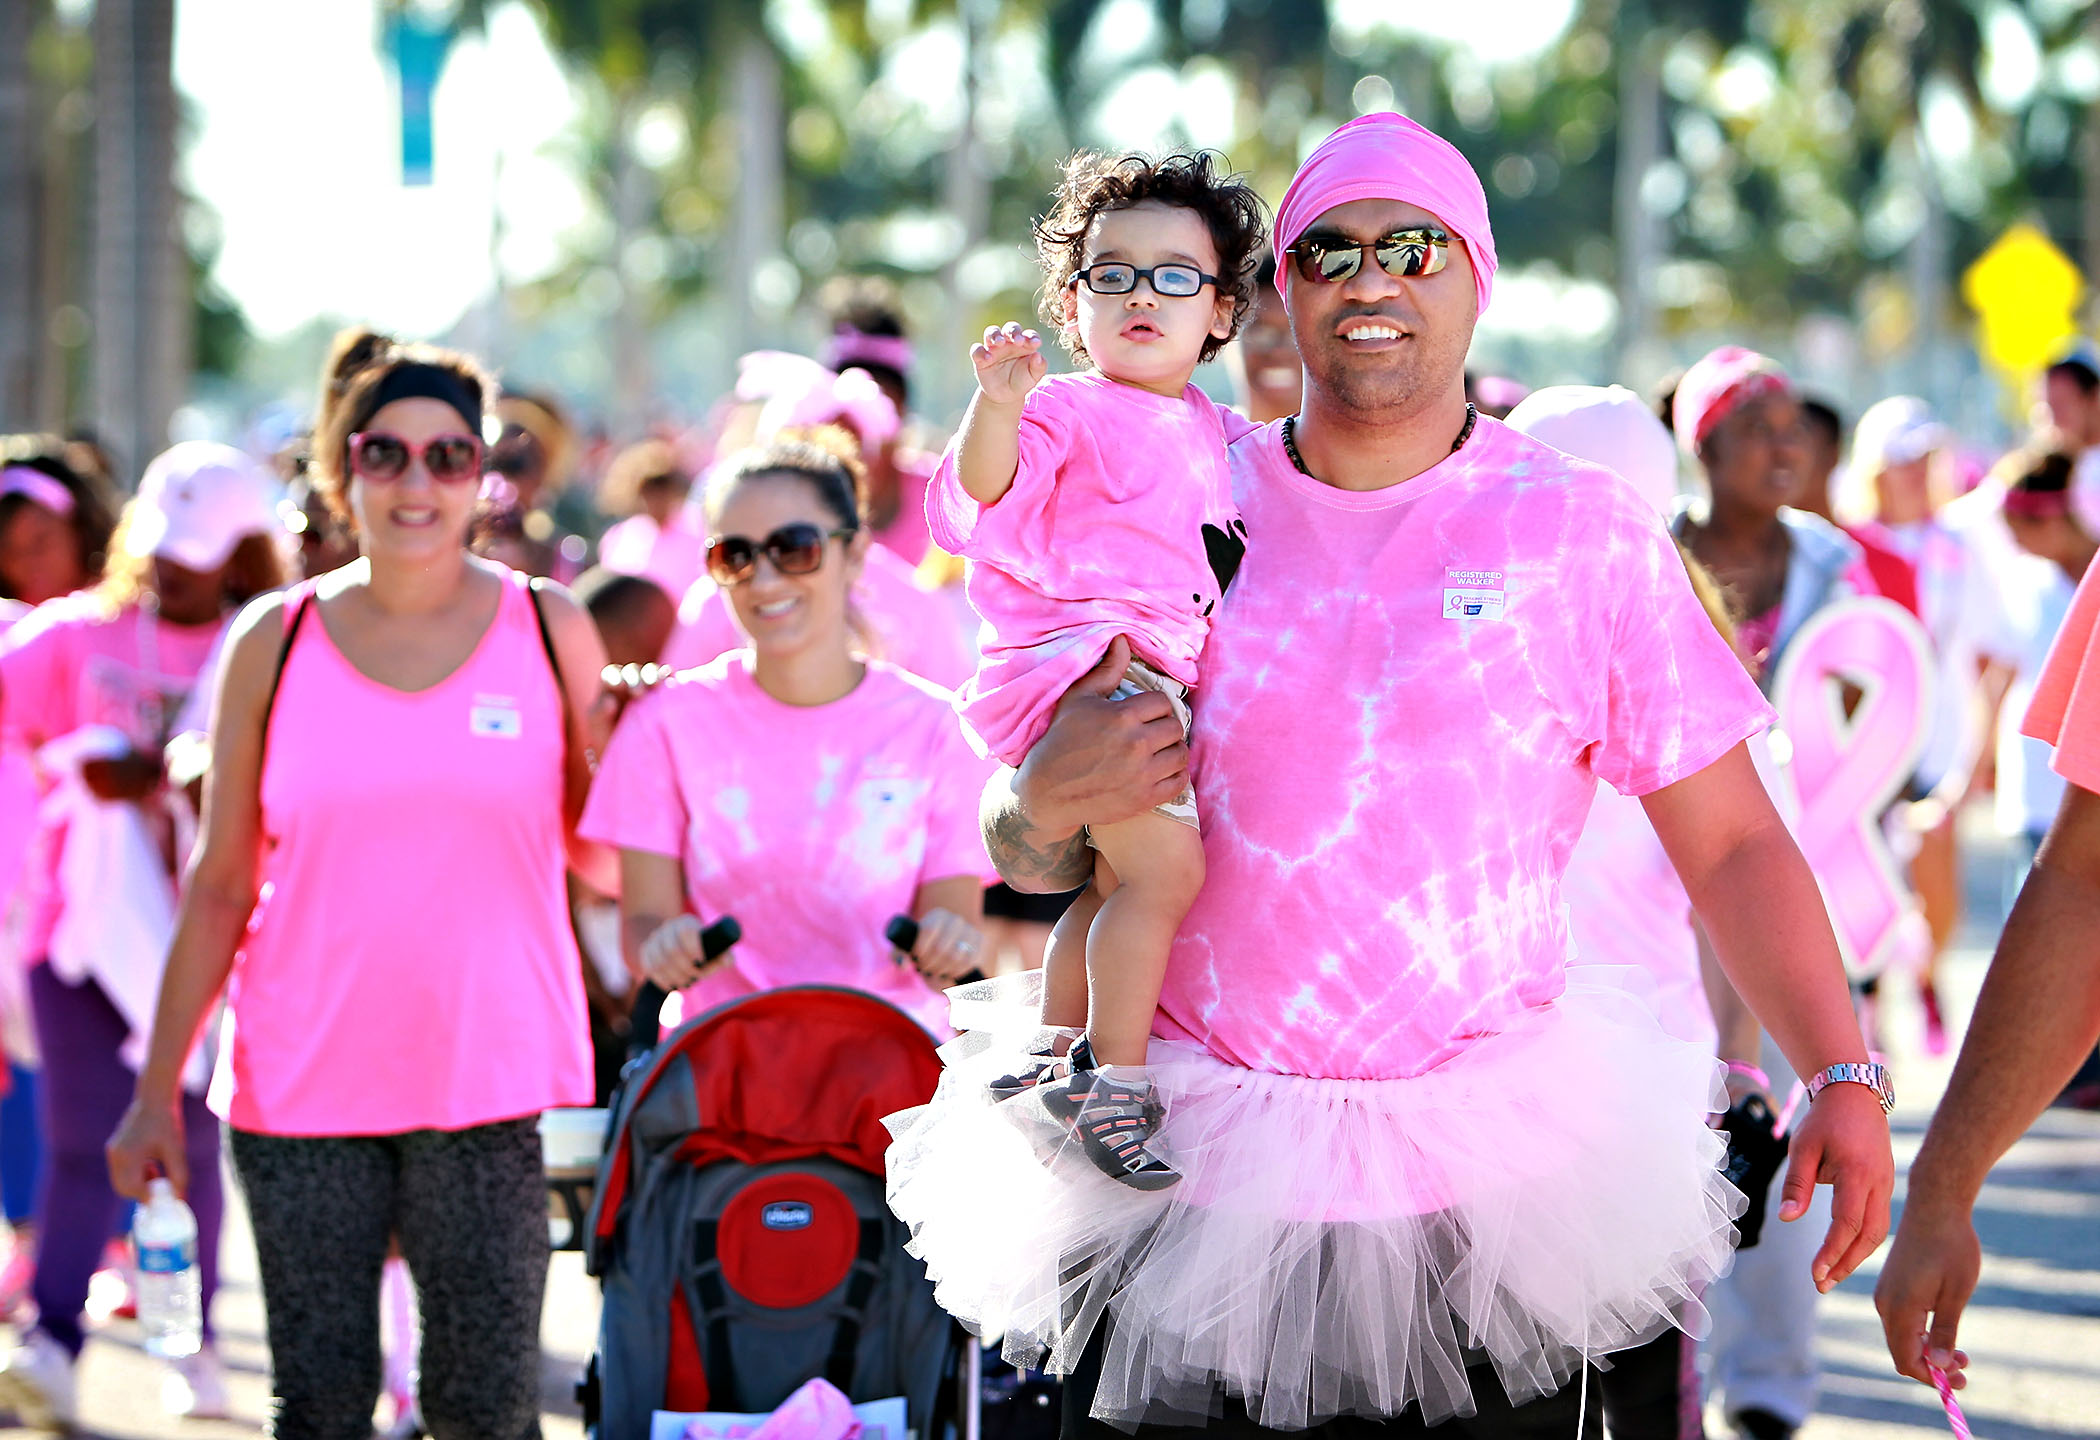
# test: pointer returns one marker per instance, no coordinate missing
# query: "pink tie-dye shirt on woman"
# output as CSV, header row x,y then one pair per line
x,y
812,824
1120,522
1409,696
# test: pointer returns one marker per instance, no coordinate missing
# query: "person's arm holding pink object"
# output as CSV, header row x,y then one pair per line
x,y
1759,905
2036,1018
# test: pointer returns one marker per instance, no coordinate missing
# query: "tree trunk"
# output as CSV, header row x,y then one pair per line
x,y
1638,230
966,194
141,292
21,319
757,227
2089,196
1929,281
631,188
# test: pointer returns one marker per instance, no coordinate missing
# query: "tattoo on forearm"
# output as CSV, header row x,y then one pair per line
x,y
1025,863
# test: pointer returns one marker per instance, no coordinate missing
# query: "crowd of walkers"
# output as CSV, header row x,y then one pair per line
x,y
349,794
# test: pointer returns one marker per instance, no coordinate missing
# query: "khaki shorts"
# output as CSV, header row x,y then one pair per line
x,y
1139,678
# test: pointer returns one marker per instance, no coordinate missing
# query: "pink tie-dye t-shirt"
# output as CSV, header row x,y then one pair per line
x,y
1120,522
74,662
812,825
1409,696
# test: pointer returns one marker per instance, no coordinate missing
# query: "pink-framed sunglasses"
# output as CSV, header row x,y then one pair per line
x,y
378,455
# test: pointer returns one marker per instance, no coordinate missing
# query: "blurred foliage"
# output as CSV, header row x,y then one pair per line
x,y
1806,144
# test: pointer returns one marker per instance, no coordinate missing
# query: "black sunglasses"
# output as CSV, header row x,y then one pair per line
x,y
796,549
1404,254
1114,277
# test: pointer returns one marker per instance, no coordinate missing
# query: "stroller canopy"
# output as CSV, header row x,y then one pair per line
x,y
782,1075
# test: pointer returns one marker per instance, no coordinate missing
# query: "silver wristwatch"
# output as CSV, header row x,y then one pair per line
x,y
1874,1077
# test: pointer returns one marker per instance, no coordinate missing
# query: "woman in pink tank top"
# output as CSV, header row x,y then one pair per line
x,y
382,879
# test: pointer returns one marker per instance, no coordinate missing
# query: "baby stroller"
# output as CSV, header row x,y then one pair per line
x,y
738,1228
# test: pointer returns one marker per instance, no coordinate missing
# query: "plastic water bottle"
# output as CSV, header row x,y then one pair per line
x,y
171,1306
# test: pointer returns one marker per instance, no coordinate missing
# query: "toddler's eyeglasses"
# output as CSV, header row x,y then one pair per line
x,y
1404,254
796,549
376,455
1113,277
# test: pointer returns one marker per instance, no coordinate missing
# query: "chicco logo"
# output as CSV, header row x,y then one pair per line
x,y
785,1215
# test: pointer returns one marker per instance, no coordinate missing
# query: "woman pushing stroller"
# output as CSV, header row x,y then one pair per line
x,y
812,791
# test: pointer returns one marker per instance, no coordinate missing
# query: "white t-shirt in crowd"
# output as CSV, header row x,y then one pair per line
x,y
2032,598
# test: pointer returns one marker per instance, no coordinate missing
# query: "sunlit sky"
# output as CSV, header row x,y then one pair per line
x,y
295,146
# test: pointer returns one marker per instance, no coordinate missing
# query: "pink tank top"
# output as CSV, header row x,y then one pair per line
x,y
410,964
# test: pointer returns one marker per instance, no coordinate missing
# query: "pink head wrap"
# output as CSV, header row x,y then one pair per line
x,y
797,393
33,484
1385,156
850,347
1718,383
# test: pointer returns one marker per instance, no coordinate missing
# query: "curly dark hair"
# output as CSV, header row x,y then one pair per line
x,y
1093,184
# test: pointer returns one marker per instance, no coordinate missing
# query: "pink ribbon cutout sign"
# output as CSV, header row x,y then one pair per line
x,y
1841,772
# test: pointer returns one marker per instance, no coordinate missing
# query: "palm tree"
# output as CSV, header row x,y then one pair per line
x,y
1925,40
140,287
20,314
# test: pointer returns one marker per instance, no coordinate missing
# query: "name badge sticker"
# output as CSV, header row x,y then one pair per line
x,y
495,716
1474,595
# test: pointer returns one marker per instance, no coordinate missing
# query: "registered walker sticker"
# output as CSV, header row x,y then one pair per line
x,y
1473,595
495,716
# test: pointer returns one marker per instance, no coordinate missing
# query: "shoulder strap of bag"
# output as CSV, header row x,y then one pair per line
x,y
293,619
579,761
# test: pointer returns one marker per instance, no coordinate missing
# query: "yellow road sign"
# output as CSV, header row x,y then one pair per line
x,y
2025,293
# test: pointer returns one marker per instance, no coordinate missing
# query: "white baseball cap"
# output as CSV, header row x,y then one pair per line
x,y
1895,431
1605,425
197,501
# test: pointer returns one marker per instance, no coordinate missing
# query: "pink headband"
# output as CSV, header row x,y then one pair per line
x,y
857,347
1719,383
798,393
1385,156
2037,504
35,485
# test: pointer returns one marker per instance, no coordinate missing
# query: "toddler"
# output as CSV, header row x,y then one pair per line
x,y
1095,507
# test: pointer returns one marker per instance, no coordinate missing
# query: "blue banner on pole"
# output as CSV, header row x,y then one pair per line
x,y
418,46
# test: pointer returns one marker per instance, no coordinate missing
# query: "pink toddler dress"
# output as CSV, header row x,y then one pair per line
x,y
1120,522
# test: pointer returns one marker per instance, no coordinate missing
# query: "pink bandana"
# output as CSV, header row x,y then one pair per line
x,y
798,393
1715,385
1384,156
35,485
850,347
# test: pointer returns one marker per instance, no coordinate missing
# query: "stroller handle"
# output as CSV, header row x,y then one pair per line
x,y
903,932
715,942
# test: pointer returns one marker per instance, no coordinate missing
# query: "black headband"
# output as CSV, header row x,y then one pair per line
x,y
416,380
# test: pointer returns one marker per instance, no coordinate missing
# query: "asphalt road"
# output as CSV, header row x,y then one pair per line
x,y
2033,1332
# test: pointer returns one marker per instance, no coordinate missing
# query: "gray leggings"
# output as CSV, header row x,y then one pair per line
x,y
470,1210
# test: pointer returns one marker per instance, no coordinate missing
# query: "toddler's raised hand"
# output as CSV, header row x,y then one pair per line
x,y
1009,363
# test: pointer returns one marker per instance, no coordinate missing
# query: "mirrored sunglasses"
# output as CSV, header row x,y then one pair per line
x,y
1404,254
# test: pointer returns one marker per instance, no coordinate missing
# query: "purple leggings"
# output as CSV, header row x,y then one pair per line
x,y
84,1091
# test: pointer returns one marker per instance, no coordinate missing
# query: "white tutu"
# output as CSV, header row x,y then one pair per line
x,y
1337,1247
